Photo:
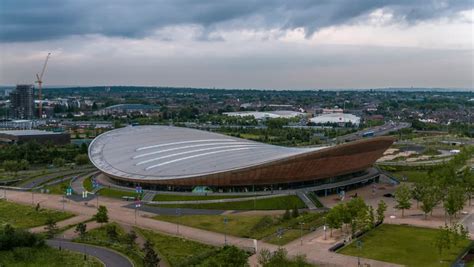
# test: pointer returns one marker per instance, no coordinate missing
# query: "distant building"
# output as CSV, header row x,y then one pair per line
x,y
22,102
121,109
332,110
35,135
339,118
267,114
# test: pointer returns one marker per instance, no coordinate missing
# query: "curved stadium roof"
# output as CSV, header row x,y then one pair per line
x,y
165,152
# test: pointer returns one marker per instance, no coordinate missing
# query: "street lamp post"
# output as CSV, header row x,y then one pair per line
x,y
85,252
225,231
325,228
359,248
178,213
301,232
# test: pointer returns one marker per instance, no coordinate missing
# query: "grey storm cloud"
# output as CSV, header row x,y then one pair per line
x,y
34,20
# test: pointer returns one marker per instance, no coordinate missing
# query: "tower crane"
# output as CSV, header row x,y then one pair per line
x,y
39,81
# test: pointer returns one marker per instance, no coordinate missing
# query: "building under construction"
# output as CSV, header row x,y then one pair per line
x,y
22,102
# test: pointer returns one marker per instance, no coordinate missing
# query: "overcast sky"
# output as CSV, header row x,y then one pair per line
x,y
293,44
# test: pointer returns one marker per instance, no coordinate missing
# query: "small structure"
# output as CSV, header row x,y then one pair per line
x,y
121,109
35,135
259,115
339,118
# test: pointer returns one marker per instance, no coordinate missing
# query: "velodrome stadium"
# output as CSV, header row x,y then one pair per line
x,y
181,159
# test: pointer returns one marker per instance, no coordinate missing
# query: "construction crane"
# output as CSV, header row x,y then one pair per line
x,y
39,81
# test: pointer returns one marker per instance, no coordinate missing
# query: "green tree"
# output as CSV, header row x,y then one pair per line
x,y
102,215
454,200
370,218
59,162
403,198
430,198
81,229
11,166
334,218
286,215
468,183
150,259
51,228
295,213
130,238
443,239
112,233
381,208
82,159
229,256
24,164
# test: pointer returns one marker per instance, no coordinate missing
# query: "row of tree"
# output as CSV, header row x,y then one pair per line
x,y
355,215
449,184
36,153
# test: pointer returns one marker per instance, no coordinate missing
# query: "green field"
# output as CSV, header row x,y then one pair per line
x,y
274,203
24,216
178,251
166,197
88,184
411,175
251,226
45,256
115,193
58,189
407,245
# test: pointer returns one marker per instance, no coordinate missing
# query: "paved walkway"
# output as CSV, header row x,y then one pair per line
x,y
316,251
45,178
77,184
109,257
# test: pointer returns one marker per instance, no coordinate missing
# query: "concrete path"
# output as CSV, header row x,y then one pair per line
x,y
77,184
45,178
148,196
307,201
316,251
109,257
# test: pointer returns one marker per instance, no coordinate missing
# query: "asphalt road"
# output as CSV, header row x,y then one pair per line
x,y
378,131
45,178
107,256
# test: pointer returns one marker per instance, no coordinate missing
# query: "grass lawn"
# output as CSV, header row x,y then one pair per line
x,y
178,251
58,189
45,256
250,226
166,197
412,175
88,184
99,237
114,193
407,245
23,216
274,203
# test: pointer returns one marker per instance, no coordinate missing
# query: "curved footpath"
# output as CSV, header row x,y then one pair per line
x,y
117,212
106,256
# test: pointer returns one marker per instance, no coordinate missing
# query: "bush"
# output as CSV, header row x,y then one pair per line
x,y
11,238
82,159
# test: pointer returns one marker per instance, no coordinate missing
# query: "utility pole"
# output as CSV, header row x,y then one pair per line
x,y
225,231
301,232
39,81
